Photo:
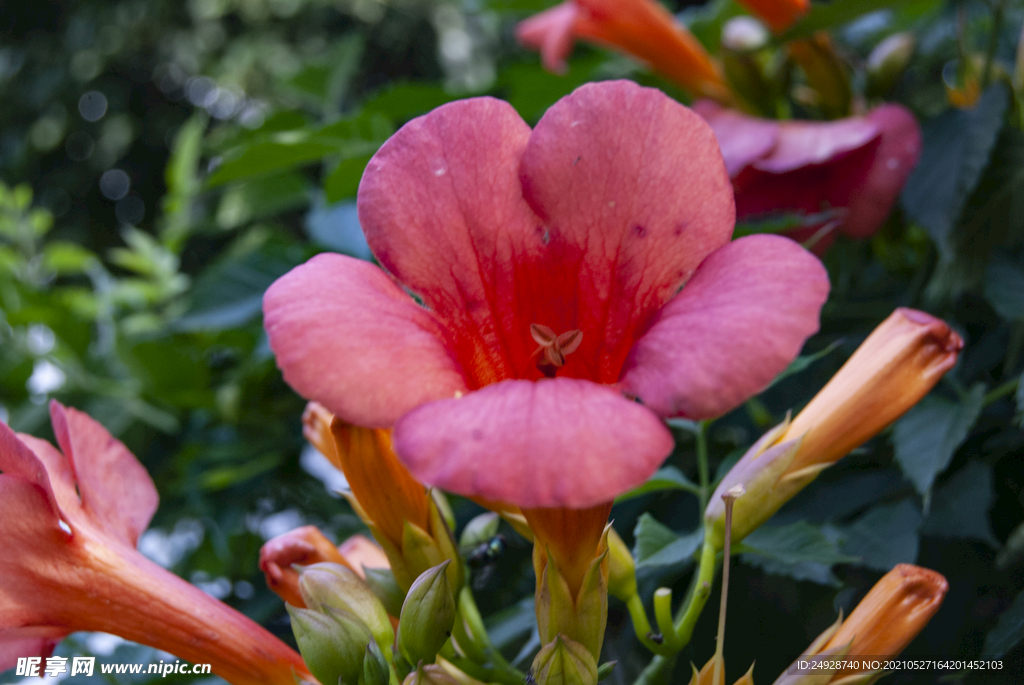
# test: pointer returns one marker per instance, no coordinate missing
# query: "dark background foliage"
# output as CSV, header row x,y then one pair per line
x,y
163,162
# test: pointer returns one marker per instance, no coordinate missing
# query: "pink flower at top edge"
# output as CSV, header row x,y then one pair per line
x,y
514,239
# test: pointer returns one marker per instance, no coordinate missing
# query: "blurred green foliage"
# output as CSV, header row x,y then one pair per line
x,y
164,162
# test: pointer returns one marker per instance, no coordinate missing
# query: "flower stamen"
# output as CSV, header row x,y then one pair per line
x,y
553,348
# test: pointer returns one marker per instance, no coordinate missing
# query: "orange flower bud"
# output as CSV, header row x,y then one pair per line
x,y
385,490
641,28
316,428
883,624
893,612
306,546
778,14
893,368
890,372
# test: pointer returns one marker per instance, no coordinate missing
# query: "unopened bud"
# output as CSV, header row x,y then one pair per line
x,y
428,615
888,61
333,585
621,568
744,34
382,582
564,662
376,670
332,643
479,530
430,674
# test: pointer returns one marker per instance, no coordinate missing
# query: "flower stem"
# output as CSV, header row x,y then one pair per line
x,y
993,41
642,626
687,617
1007,388
730,498
469,626
658,671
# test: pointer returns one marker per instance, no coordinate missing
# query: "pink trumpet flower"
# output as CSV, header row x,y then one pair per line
x,y
850,170
576,235
70,520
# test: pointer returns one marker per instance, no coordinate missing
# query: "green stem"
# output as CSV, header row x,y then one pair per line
x,y
1007,388
470,618
642,626
702,464
993,42
658,671
686,620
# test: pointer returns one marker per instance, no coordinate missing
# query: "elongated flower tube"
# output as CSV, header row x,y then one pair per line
x,y
902,359
306,546
849,172
778,14
641,28
70,520
555,331
889,617
395,506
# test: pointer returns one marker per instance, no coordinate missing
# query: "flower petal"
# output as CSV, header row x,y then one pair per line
x,y
742,139
551,443
804,143
443,211
896,155
345,335
14,647
31,532
551,32
17,460
116,491
740,321
635,195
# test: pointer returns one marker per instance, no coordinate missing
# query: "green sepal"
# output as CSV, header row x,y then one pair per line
x,y
332,642
333,585
428,615
382,582
564,662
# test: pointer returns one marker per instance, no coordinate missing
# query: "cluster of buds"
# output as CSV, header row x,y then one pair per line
x,y
344,634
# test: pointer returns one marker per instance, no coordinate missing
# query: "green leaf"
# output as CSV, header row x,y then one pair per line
x,y
402,101
665,478
1004,288
63,257
1019,399
793,544
511,623
883,537
929,434
356,136
1008,633
956,148
230,293
343,182
260,197
801,363
659,545
824,16
960,507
